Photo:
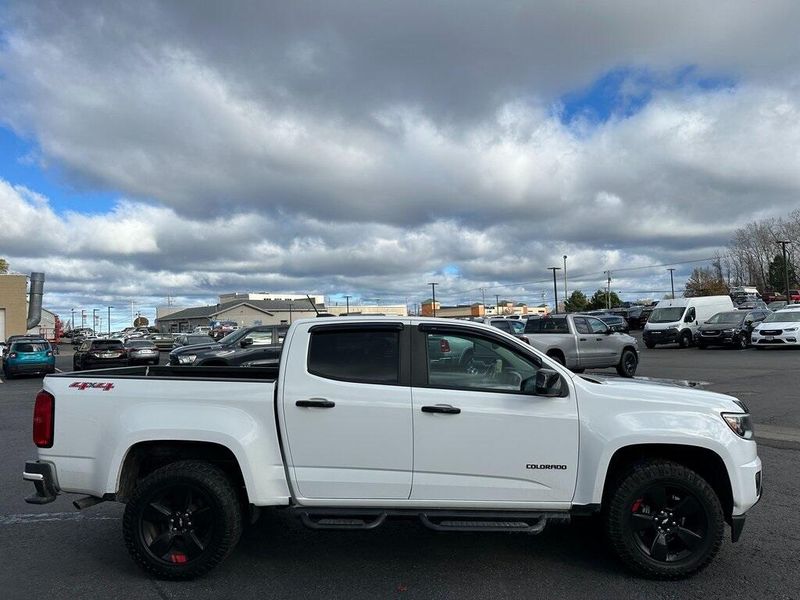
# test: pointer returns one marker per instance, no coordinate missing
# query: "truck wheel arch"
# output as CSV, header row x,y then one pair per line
x,y
145,457
705,462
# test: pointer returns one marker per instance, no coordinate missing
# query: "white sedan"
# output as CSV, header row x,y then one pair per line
x,y
781,328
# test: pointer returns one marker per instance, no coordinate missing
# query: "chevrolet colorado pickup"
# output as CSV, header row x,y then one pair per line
x,y
367,419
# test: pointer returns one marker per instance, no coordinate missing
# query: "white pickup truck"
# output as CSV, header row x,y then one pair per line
x,y
363,421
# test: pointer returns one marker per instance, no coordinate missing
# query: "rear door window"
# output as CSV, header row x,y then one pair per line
x,y
361,356
581,325
547,325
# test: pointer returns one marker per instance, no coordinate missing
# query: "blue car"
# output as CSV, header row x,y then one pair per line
x,y
29,357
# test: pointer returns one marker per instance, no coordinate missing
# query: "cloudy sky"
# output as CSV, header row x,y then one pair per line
x,y
188,148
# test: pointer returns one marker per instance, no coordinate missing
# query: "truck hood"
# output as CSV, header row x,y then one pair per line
x,y
660,393
195,348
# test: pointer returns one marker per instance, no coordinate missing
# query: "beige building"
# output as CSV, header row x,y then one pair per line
x,y
13,304
393,310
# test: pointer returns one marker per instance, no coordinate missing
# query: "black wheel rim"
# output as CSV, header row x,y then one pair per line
x,y
177,524
629,363
668,522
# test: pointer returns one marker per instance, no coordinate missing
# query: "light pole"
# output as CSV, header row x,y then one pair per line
x,y
347,299
785,269
94,320
672,282
290,312
608,289
109,319
72,318
433,296
555,289
566,293
83,318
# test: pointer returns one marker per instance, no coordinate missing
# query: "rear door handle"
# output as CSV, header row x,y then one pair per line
x,y
315,403
582,339
441,408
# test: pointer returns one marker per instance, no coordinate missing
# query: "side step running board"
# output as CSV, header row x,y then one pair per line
x,y
331,521
438,520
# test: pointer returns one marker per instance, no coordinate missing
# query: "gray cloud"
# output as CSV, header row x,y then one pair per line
x,y
375,145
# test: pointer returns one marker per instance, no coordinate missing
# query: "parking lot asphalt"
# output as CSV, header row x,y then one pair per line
x,y
55,551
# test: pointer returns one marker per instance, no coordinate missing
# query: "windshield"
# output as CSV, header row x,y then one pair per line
x,y
789,316
233,337
726,317
667,315
140,344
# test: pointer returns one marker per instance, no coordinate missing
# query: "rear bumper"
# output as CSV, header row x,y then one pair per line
x,y
43,476
20,368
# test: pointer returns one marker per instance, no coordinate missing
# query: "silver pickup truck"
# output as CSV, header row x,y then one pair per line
x,y
582,342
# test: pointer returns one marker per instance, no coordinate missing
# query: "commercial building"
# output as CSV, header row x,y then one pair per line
x,y
245,313
13,304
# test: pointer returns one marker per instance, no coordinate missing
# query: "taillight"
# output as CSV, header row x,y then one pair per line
x,y
444,345
49,353
44,419
12,355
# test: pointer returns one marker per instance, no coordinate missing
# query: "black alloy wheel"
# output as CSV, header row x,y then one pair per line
x,y
627,363
664,520
182,520
741,341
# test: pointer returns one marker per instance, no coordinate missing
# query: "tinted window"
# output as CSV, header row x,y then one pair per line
x,y
139,344
30,347
516,326
502,325
547,325
596,325
363,356
107,345
581,325
473,362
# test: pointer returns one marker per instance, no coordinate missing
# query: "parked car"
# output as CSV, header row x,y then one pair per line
x,y
100,354
359,426
677,320
781,328
752,305
29,357
163,341
729,328
141,351
251,343
202,330
631,314
583,342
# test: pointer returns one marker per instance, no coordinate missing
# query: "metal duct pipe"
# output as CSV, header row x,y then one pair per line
x,y
35,302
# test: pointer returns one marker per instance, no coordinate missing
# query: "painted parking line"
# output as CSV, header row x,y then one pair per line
x,y
33,518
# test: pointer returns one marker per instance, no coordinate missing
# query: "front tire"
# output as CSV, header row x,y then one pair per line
x,y
741,342
685,340
627,363
182,520
664,521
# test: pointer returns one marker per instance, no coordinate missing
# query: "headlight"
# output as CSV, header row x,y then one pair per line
x,y
728,330
791,329
186,359
740,424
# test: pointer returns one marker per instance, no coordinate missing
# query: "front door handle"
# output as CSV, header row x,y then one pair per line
x,y
315,403
582,339
441,408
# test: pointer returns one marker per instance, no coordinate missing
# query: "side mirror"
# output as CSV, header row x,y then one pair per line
x,y
246,342
544,383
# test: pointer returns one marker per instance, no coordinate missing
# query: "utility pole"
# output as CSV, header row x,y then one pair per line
x,y
83,318
483,298
290,312
608,290
109,319
497,305
555,289
566,293
94,320
433,297
347,299
671,282
72,318
785,269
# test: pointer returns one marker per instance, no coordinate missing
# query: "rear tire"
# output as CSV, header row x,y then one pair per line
x,y
627,363
182,520
556,356
663,520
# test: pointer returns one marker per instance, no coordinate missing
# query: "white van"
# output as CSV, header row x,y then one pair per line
x,y
678,320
